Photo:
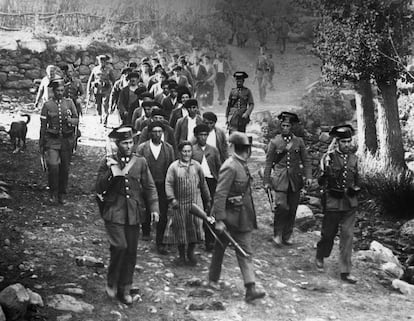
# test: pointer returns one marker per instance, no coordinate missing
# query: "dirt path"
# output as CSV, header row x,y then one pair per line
x,y
43,242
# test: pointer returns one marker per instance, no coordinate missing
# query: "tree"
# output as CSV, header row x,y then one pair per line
x,y
361,41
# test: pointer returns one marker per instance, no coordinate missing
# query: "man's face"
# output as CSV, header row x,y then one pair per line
x,y
192,111
286,128
202,138
344,145
239,82
157,118
133,82
177,72
211,124
184,98
69,73
165,90
156,134
173,93
102,62
58,91
147,111
51,73
125,147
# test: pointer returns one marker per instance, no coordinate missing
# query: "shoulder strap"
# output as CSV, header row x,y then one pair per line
x,y
129,165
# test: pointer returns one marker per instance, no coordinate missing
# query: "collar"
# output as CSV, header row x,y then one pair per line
x,y
241,159
153,145
181,164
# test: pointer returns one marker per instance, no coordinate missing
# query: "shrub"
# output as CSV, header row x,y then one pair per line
x,y
324,106
405,106
391,187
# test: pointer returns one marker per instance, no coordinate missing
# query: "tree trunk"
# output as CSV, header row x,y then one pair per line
x,y
365,109
389,131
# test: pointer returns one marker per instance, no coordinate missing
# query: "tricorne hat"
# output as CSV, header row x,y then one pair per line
x,y
154,124
239,138
190,102
240,75
56,82
122,133
342,131
288,117
201,128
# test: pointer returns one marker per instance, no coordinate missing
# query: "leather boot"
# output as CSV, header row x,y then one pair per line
x,y
252,293
126,295
192,261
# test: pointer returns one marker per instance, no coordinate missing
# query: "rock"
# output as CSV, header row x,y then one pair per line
x,y
194,282
14,300
32,73
403,287
35,298
383,253
7,242
392,269
302,212
3,77
18,84
14,76
197,306
65,302
2,316
64,317
152,309
216,306
10,69
201,293
408,228
74,291
314,201
90,261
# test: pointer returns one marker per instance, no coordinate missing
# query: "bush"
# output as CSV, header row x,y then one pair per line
x,y
391,187
405,105
324,106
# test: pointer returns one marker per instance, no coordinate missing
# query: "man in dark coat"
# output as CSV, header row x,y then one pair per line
x,y
171,101
159,156
209,158
184,129
233,209
58,120
240,104
287,156
128,98
339,177
216,136
125,188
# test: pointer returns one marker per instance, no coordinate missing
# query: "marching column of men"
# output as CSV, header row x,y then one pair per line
x,y
155,131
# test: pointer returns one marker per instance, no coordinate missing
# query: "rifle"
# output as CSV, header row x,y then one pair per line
x,y
43,162
270,199
197,211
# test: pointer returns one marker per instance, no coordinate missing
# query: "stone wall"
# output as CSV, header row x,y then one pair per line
x,y
20,68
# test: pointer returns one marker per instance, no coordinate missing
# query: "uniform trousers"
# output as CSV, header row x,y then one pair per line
x,y
261,82
123,241
332,222
220,83
58,161
285,213
244,239
102,106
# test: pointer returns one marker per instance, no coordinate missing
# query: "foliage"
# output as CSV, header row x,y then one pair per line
x,y
392,188
324,105
406,109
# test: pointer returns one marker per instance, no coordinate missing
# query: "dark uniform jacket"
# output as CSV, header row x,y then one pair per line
x,y
56,131
239,101
339,176
289,166
212,157
73,90
125,197
233,201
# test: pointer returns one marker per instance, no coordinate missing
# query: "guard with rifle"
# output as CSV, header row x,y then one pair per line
x,y
240,105
339,179
288,158
235,215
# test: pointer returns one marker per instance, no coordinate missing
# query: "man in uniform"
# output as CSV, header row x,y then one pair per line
x,y
159,156
58,120
233,209
261,68
209,158
339,177
125,187
287,156
100,83
240,104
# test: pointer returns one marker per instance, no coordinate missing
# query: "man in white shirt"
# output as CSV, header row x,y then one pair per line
x,y
216,136
184,129
209,158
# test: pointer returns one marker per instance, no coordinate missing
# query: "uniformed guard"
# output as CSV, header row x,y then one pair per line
x,y
233,209
240,104
125,188
288,158
339,178
58,120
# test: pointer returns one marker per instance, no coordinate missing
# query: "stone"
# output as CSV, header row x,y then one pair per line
x,y
408,228
14,76
64,302
25,66
10,68
383,253
194,281
392,269
2,316
64,317
314,201
35,298
403,287
14,300
3,77
216,306
90,261
35,62
18,84
201,293
32,73
302,212
152,309
74,291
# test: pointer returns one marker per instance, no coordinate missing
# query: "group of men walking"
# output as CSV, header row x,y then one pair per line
x,y
151,146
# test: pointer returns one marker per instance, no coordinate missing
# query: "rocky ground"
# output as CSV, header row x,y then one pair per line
x,y
60,252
